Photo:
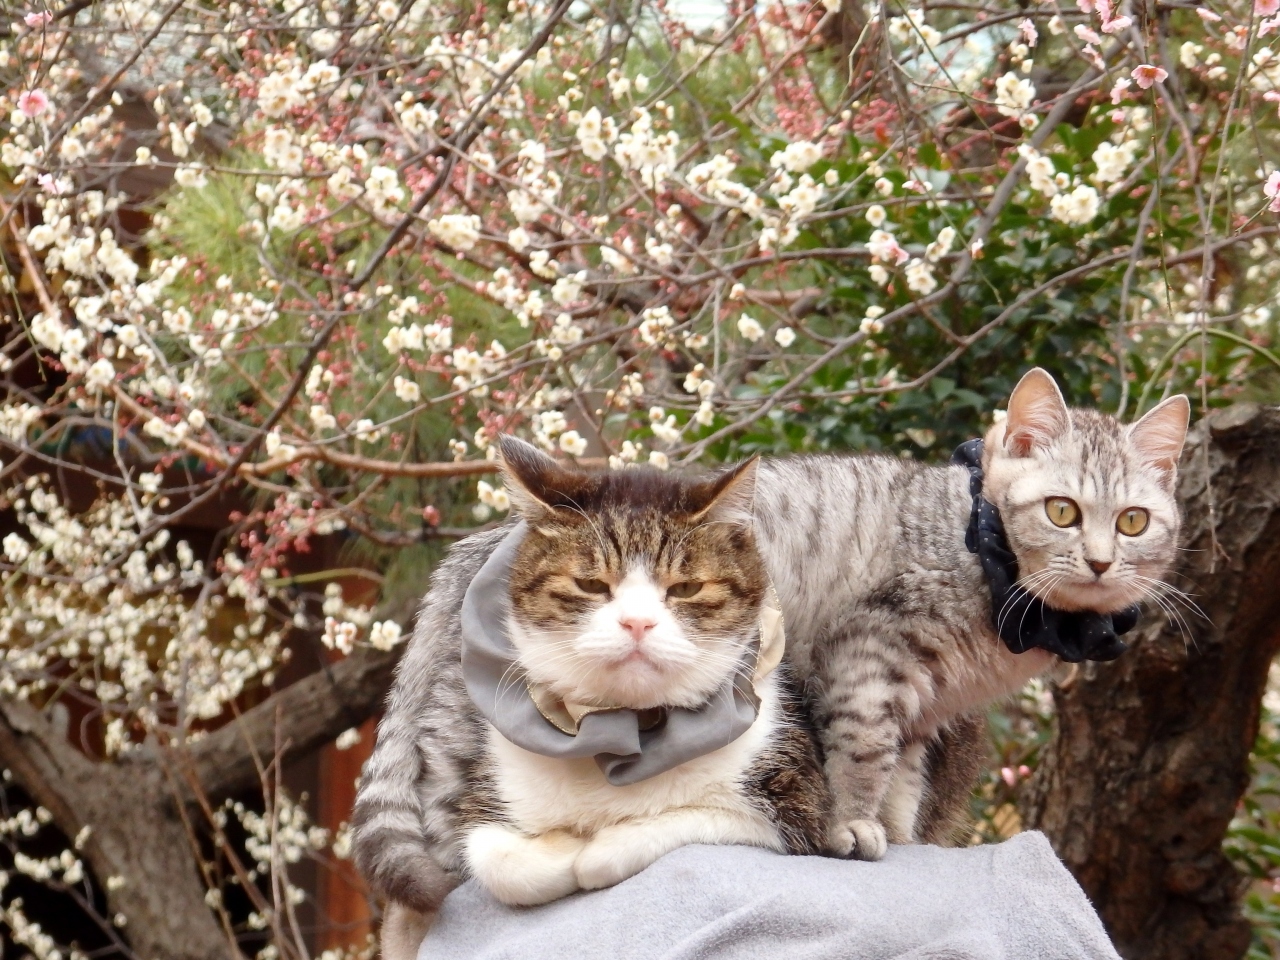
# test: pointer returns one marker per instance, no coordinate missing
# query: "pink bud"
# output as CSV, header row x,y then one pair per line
x,y
1008,775
1086,34
1208,16
34,20
1116,25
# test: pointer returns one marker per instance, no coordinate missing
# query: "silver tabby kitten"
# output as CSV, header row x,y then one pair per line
x,y
889,620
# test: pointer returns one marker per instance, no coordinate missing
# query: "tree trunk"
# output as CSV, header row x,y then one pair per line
x,y
134,807
1150,754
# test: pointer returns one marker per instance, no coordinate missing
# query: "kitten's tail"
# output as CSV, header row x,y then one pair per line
x,y
388,842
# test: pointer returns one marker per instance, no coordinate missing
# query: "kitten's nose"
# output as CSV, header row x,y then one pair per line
x,y
1099,566
637,626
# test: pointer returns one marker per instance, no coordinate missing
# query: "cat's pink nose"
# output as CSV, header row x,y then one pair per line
x,y
1099,566
637,626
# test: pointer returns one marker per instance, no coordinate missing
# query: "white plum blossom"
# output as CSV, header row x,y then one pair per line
x,y
750,328
1079,207
384,635
797,157
1014,94
458,230
407,390
572,443
920,278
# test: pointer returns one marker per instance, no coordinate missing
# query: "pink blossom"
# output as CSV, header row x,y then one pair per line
x,y
1121,90
39,19
32,103
1009,775
1117,116
1086,34
1208,16
1086,6
1271,189
1266,8
1116,25
1272,96
1029,34
1268,26
1104,9
1147,75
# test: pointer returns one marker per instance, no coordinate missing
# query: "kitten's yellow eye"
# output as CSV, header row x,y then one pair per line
x,y
591,585
683,591
1062,512
1133,521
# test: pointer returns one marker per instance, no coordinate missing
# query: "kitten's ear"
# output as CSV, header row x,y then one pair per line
x,y
1159,435
534,482
1037,414
730,496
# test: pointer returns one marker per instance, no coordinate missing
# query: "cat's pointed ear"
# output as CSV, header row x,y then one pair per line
x,y
535,483
730,497
1037,414
1159,436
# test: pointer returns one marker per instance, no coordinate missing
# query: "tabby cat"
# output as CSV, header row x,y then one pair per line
x,y
889,619
634,589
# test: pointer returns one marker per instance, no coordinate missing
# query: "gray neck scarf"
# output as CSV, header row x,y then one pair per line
x,y
627,745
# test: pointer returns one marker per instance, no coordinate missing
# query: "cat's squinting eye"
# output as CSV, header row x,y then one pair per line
x,y
1132,521
591,585
685,590
1062,512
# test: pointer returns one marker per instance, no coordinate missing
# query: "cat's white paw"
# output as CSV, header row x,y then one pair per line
x,y
613,855
859,840
523,871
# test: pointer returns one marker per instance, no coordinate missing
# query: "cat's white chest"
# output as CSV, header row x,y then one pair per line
x,y
542,794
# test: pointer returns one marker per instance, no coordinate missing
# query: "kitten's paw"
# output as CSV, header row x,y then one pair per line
x,y
523,871
613,855
859,840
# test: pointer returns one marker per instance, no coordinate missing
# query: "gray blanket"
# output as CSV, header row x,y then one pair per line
x,y
1010,901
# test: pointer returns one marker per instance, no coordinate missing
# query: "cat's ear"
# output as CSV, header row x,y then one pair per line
x,y
729,497
1037,414
535,483
1158,436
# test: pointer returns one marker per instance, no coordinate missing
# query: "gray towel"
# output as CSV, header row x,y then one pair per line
x,y
1009,901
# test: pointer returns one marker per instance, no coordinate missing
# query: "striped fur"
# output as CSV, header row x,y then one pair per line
x,y
889,634
889,620
444,792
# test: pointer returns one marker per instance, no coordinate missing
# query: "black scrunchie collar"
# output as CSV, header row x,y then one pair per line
x,y
1022,620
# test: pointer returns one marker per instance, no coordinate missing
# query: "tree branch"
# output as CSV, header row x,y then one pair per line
x,y
307,715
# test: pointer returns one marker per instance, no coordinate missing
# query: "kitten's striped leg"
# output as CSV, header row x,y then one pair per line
x,y
901,806
866,707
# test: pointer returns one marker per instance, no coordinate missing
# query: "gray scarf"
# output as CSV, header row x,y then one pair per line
x,y
627,745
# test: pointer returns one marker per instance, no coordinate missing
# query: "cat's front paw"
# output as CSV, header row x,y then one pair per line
x,y
523,871
613,855
858,840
